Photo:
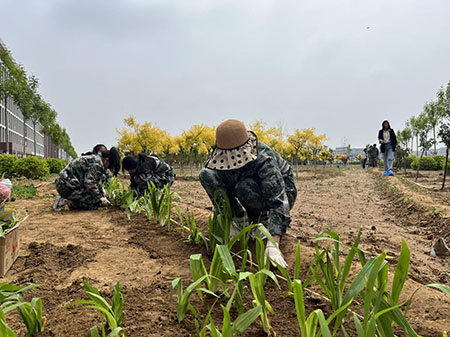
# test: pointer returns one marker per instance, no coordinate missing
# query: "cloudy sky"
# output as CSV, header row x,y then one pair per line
x,y
341,66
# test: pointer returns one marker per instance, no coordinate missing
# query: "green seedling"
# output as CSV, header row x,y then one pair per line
x,y
111,315
195,235
381,308
31,314
257,282
158,204
309,325
183,300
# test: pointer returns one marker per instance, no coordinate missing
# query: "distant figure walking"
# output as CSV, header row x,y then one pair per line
x,y
373,155
388,141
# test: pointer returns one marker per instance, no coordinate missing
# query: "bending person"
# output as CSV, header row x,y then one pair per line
x,y
257,181
147,168
79,184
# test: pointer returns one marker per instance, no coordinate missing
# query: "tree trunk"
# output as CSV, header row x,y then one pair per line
x,y
34,136
6,125
434,137
417,145
418,165
445,169
296,164
412,144
24,136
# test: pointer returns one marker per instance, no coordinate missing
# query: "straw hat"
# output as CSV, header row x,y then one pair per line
x,y
235,146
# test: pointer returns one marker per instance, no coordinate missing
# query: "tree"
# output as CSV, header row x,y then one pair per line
x,y
444,135
315,143
424,126
138,138
402,151
434,115
298,141
414,124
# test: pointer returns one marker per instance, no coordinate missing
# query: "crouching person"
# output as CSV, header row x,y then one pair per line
x,y
144,169
80,183
257,181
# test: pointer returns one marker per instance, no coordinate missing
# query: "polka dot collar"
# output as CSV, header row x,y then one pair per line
x,y
234,159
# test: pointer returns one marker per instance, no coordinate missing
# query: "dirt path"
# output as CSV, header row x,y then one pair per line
x,y
59,250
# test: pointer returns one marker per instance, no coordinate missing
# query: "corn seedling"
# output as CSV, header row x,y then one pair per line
x,y
183,300
221,221
195,235
283,271
158,204
242,322
5,330
257,282
309,325
334,276
216,276
31,314
381,308
111,315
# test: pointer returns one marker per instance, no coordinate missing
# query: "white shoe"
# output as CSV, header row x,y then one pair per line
x,y
59,204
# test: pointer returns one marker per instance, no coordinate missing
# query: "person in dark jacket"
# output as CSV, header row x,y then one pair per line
x,y
257,181
80,183
145,168
388,141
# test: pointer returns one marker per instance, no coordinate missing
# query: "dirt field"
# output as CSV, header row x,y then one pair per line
x,y
59,250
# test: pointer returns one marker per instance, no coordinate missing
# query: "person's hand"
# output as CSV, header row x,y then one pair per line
x,y
274,253
104,202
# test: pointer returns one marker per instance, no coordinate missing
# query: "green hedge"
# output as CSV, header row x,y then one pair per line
x,y
426,164
55,165
31,168
7,164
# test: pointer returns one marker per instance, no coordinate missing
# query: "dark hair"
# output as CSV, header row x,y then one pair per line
x,y
382,125
97,148
114,159
129,163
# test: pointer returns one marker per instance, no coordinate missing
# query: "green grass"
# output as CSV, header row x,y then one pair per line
x,y
24,191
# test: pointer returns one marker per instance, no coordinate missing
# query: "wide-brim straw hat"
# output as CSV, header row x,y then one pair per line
x,y
235,146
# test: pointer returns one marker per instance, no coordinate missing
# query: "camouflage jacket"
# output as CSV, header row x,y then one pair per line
x,y
270,171
151,169
87,173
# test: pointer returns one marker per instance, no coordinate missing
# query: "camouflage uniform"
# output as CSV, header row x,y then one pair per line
x,y
264,189
80,182
151,169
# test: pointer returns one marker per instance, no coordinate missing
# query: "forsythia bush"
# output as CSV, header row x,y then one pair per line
x,y
31,168
55,165
6,164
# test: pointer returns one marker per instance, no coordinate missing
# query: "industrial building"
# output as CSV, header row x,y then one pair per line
x,y
14,132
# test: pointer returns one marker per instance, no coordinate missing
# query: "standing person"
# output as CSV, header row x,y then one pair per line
x,y
364,161
257,181
376,155
370,154
145,168
388,141
79,184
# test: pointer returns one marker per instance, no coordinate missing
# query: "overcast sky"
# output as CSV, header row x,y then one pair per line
x,y
339,66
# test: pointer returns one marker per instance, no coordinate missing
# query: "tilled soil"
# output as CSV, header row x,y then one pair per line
x,y
59,250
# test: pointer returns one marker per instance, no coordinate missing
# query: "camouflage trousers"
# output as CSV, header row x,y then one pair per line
x,y
77,197
246,198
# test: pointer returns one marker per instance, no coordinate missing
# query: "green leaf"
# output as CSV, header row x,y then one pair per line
x,y
441,287
401,272
245,320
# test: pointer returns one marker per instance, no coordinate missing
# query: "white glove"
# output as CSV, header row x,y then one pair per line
x,y
274,253
104,202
